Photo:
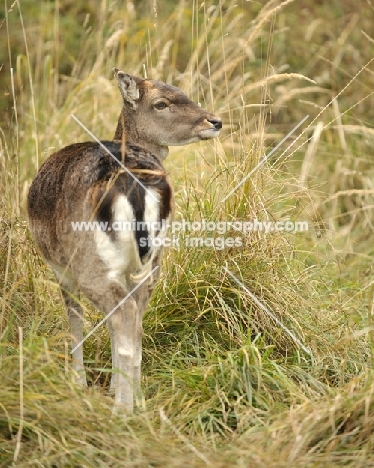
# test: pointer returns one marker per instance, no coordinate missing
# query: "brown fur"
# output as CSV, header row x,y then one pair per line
x,y
82,183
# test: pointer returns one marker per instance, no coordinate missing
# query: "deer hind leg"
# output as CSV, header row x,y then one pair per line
x,y
138,330
107,294
113,380
142,296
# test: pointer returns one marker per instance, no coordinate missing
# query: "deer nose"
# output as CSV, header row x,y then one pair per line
x,y
217,123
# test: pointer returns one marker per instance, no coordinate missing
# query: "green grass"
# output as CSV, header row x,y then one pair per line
x,y
223,383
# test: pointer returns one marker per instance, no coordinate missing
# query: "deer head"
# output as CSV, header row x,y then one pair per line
x,y
157,115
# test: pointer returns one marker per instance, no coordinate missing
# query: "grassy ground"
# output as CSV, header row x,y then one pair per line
x,y
224,384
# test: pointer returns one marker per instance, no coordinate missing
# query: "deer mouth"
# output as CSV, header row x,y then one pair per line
x,y
209,133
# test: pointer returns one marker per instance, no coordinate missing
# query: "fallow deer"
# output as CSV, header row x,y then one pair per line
x,y
86,182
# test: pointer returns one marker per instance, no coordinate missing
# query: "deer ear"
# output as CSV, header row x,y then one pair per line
x,y
128,87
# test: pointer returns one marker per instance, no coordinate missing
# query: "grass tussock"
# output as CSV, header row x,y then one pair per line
x,y
224,384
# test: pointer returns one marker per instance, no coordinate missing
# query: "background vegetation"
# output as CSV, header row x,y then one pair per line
x,y
223,384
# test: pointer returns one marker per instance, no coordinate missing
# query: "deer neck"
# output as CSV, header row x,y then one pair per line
x,y
132,136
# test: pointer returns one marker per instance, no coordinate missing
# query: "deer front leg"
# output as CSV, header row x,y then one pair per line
x,y
75,317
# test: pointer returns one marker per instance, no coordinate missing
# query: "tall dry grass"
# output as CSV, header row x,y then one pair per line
x,y
224,385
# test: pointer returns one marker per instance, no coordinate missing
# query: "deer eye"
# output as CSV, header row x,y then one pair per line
x,y
160,105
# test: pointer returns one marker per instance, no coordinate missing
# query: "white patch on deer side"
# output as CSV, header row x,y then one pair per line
x,y
121,256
